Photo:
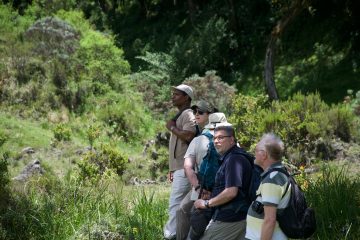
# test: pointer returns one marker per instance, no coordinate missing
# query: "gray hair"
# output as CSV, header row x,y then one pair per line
x,y
273,146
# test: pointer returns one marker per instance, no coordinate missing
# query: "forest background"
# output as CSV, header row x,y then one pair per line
x,y
85,91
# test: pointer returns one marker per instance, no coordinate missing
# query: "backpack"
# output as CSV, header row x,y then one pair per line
x,y
296,220
255,180
209,165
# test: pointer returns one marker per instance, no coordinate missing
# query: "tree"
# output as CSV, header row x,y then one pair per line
x,y
287,15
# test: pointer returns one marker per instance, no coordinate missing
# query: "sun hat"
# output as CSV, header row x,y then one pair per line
x,y
203,106
216,120
186,89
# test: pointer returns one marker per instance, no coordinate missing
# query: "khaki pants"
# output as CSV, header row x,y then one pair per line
x,y
225,230
183,217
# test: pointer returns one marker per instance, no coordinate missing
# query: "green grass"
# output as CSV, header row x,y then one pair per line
x,y
21,133
52,209
335,196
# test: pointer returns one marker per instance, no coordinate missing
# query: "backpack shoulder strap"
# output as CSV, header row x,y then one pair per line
x,y
284,171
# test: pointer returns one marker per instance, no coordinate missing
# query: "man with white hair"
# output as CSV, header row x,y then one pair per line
x,y
273,193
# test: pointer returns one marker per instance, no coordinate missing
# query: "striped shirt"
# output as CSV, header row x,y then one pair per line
x,y
270,193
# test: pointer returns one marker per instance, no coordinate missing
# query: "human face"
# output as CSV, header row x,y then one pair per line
x,y
201,118
260,154
178,98
223,142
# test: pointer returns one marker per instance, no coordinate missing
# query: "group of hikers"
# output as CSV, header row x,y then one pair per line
x,y
217,206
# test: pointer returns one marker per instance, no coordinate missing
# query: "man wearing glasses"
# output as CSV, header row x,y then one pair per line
x,y
231,181
182,128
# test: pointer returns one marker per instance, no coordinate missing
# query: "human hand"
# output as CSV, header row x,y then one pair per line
x,y
170,123
170,176
205,194
200,204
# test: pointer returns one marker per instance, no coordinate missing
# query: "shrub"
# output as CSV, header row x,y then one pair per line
x,y
94,165
62,132
302,122
245,116
93,132
212,89
125,114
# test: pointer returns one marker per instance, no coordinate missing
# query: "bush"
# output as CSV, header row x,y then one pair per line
x,y
125,114
62,132
302,122
212,89
95,165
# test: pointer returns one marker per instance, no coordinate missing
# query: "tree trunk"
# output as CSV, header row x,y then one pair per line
x,y
269,70
269,66
192,10
233,17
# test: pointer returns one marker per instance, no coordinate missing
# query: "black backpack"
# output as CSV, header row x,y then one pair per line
x,y
250,195
296,220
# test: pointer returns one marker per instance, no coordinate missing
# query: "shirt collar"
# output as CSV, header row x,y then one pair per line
x,y
272,166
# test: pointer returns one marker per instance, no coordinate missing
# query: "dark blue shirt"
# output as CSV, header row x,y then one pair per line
x,y
235,171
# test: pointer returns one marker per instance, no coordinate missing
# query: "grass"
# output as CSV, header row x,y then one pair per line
x,y
53,209
335,196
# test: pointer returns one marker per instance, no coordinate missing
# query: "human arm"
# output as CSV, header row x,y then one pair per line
x,y
269,223
225,196
189,171
184,135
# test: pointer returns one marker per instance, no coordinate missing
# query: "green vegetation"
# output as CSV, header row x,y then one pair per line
x,y
304,123
85,86
335,196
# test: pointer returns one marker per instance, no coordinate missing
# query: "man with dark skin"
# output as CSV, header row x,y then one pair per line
x,y
183,130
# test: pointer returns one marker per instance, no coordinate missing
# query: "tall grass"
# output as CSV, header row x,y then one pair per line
x,y
49,208
335,196
69,210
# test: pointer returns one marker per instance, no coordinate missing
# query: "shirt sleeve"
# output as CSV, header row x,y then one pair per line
x,y
190,152
271,192
234,172
188,121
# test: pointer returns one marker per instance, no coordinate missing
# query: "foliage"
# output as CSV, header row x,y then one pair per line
x,y
155,80
96,164
304,123
212,89
93,132
335,197
203,49
353,99
62,132
147,215
129,121
243,117
159,165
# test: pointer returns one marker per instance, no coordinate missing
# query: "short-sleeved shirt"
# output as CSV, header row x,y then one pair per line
x,y
178,147
271,193
235,171
198,149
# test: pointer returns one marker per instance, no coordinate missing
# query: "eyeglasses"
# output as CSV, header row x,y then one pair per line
x,y
220,138
259,150
198,111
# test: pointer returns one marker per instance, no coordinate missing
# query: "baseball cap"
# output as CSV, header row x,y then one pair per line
x,y
186,89
203,106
